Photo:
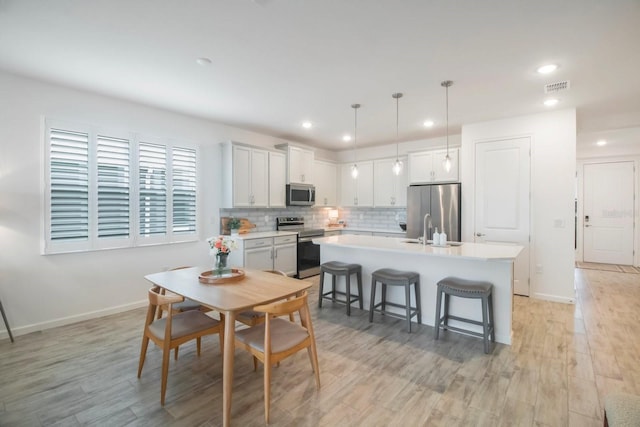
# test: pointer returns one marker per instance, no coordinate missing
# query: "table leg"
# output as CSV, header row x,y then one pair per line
x,y
227,365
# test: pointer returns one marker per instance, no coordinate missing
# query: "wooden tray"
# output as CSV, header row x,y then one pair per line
x,y
210,278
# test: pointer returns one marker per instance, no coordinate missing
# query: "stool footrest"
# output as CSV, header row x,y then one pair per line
x,y
354,298
464,331
461,319
412,313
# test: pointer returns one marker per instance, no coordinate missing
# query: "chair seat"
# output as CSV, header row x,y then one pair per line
x,y
465,288
183,324
186,305
390,276
284,335
340,268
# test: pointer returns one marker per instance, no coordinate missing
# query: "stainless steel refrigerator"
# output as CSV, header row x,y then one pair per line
x,y
442,202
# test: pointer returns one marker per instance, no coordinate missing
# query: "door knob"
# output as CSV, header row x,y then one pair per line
x,y
480,234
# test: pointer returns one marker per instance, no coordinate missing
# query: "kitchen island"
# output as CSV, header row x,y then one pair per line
x,y
474,261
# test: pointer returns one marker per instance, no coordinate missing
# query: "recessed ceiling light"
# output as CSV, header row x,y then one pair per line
x,y
346,138
601,143
203,61
547,69
428,123
551,102
307,125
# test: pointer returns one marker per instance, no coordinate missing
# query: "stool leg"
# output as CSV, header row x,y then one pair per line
x,y
348,279
359,278
373,298
407,295
333,287
438,304
416,289
445,320
384,297
485,324
322,274
491,323
6,322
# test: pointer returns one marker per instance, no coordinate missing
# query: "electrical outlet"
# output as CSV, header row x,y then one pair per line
x,y
266,219
539,269
397,217
361,216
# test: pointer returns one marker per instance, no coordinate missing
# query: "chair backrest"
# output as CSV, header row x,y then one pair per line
x,y
284,307
156,298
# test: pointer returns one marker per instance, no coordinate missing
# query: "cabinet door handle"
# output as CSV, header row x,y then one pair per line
x,y
480,234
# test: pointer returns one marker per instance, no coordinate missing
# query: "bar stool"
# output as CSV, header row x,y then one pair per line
x,y
337,268
466,289
391,277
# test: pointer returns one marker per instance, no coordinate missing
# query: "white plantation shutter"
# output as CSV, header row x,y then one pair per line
x,y
69,185
106,189
184,190
152,165
113,157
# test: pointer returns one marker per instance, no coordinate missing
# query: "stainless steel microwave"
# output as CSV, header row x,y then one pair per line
x,y
301,195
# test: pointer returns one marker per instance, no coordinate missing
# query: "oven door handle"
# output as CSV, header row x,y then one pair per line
x,y
307,239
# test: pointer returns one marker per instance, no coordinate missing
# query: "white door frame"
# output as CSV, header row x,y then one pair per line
x,y
580,205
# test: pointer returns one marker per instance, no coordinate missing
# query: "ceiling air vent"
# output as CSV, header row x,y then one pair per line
x,y
557,87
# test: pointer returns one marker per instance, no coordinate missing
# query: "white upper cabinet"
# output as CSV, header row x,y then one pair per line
x,y
245,176
356,192
326,176
277,179
300,166
390,189
426,166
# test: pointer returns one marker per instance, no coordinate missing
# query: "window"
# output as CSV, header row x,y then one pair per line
x,y
94,202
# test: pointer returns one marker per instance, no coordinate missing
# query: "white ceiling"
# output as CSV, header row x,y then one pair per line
x,y
276,63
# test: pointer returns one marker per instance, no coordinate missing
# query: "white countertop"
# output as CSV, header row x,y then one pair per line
x,y
263,234
477,251
372,230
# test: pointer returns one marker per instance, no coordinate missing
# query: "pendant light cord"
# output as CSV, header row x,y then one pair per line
x,y
446,85
397,119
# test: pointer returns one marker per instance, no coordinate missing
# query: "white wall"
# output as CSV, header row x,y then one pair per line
x,y
43,291
553,166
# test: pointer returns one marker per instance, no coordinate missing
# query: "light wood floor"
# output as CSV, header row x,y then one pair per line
x,y
563,360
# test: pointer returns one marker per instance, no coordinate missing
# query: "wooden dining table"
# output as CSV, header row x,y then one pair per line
x,y
257,287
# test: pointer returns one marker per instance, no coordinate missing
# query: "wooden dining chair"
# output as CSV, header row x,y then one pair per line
x,y
175,329
253,317
186,305
277,338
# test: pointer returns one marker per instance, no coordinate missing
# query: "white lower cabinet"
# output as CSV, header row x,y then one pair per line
x,y
267,253
285,255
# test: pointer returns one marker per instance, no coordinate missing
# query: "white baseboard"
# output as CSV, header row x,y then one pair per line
x,y
36,327
554,298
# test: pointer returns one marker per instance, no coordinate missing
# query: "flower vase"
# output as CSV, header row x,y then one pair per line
x,y
221,263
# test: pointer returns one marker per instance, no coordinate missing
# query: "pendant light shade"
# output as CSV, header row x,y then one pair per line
x,y
397,165
446,163
354,168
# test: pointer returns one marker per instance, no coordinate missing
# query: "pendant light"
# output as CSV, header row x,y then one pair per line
x,y
354,168
397,166
446,163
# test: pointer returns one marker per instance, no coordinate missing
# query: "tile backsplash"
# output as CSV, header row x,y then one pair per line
x,y
318,217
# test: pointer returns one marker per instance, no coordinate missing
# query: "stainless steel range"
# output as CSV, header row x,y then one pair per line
x,y
308,253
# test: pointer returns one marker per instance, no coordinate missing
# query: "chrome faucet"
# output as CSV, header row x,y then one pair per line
x,y
427,216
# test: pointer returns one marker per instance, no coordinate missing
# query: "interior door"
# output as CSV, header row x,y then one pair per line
x,y
502,200
608,213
